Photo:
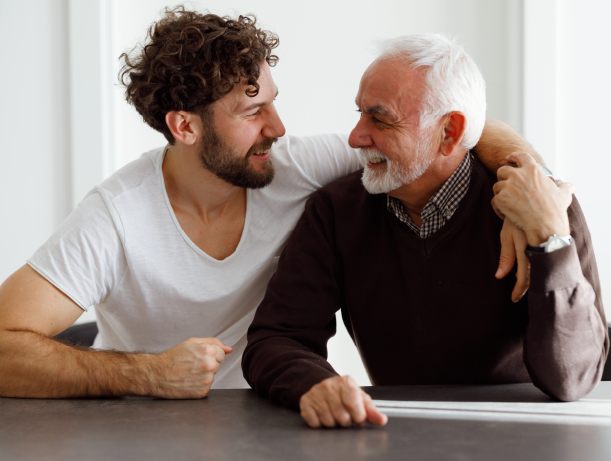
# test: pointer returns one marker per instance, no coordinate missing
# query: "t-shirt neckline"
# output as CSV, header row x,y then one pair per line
x,y
190,242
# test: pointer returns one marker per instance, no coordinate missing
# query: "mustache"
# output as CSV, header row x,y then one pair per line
x,y
367,153
262,146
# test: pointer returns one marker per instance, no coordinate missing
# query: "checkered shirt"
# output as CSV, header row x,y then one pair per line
x,y
441,207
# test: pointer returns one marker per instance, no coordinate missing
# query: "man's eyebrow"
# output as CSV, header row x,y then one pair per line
x,y
376,110
259,104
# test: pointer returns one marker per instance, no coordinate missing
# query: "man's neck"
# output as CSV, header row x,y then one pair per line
x,y
417,194
195,190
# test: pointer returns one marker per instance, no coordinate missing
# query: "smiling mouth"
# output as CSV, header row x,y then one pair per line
x,y
377,160
259,154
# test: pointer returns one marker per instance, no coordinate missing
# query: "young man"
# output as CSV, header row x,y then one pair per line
x,y
405,248
175,250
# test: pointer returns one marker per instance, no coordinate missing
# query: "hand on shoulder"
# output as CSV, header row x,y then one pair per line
x,y
528,198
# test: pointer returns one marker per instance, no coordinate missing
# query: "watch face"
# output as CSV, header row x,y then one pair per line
x,y
555,243
546,170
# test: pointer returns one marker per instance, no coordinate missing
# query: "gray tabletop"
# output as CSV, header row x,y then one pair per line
x,y
504,422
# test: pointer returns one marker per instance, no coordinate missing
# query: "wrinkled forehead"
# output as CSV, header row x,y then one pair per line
x,y
392,84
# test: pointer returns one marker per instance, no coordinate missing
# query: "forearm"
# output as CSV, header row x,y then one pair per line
x,y
498,140
566,341
283,370
32,365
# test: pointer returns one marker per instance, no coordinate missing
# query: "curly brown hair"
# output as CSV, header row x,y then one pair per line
x,y
191,60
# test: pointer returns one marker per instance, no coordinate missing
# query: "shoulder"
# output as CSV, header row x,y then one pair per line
x,y
347,192
102,199
481,175
346,186
91,220
133,175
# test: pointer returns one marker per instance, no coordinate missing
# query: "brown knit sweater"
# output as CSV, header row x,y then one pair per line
x,y
425,311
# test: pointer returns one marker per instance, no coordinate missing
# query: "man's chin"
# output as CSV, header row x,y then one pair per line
x,y
257,179
376,182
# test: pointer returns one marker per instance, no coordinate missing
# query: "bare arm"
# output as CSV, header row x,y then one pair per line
x,y
32,364
498,140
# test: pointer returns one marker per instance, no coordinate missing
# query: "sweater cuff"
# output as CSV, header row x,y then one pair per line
x,y
302,383
556,270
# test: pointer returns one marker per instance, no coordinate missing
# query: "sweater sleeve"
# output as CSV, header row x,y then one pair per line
x,y
566,341
287,341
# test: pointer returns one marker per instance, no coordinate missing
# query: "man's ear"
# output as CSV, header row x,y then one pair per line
x,y
454,127
183,126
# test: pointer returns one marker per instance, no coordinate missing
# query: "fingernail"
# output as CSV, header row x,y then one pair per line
x,y
498,272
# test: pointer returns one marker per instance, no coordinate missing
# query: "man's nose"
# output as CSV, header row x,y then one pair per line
x,y
274,128
359,136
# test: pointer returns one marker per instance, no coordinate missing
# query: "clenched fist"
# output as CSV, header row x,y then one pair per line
x,y
186,371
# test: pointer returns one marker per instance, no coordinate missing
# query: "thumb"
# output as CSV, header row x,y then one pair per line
x,y
217,342
567,190
374,416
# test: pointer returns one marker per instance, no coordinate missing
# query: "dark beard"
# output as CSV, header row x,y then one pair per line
x,y
224,162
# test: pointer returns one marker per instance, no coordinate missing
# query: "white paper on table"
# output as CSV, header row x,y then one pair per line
x,y
585,411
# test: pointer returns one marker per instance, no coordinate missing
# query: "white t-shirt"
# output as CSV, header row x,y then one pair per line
x,y
123,251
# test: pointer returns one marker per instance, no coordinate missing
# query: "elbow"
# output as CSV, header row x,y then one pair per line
x,y
569,390
570,394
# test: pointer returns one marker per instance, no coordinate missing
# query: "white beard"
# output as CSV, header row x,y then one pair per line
x,y
396,175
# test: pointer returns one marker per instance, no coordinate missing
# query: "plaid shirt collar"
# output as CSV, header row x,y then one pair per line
x,y
441,207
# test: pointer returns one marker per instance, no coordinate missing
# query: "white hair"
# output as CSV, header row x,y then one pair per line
x,y
454,82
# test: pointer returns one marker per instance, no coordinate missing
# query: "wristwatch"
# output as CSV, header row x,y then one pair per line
x,y
547,172
555,242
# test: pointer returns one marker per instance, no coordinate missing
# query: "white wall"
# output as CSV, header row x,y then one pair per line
x,y
35,192
567,96
584,118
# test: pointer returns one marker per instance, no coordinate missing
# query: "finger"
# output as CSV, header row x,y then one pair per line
x,y
352,400
340,414
324,413
213,351
522,277
567,189
333,398
220,354
494,203
498,187
521,159
215,342
374,416
523,272
504,172
310,417
508,252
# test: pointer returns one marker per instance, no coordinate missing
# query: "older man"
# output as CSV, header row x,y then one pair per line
x,y
406,250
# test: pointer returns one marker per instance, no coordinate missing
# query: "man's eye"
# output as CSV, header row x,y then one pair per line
x,y
256,113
